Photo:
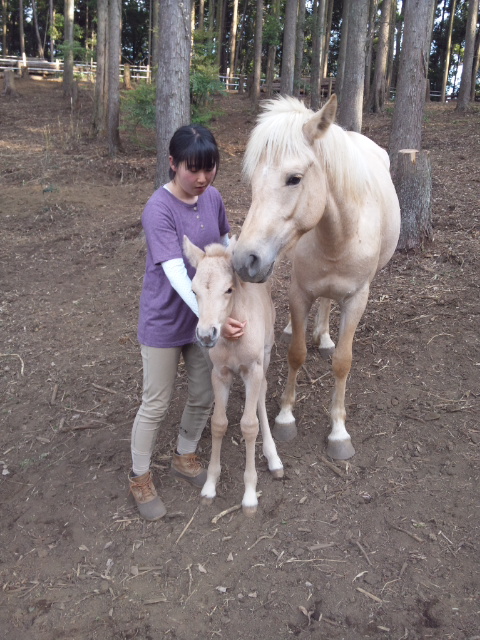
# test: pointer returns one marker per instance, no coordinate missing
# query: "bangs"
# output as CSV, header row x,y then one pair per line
x,y
201,158
201,154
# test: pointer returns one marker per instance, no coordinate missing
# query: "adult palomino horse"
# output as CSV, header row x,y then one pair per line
x,y
220,295
326,195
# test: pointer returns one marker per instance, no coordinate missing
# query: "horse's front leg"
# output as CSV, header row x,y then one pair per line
x,y
321,329
249,427
285,428
339,442
221,382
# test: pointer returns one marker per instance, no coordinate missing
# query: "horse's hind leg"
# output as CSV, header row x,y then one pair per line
x,y
339,442
285,428
321,329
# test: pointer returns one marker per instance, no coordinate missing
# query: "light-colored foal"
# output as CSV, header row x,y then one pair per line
x,y
220,295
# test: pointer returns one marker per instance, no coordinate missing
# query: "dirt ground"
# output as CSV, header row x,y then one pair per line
x,y
384,546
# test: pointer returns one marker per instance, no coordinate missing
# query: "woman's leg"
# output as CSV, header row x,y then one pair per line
x,y
200,398
159,372
185,463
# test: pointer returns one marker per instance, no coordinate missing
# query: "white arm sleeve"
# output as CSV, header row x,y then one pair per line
x,y
225,240
177,275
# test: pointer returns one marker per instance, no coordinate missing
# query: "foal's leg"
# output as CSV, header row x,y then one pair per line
x,y
249,427
285,428
321,329
339,442
221,387
269,449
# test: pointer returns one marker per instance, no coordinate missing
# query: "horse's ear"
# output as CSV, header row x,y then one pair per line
x,y
231,244
318,124
193,253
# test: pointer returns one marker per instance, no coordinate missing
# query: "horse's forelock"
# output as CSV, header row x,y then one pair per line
x,y
279,134
216,250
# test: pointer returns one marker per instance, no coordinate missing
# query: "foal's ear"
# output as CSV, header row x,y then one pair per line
x,y
318,124
193,253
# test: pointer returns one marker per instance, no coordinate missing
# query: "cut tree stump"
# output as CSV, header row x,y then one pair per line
x,y
413,182
9,83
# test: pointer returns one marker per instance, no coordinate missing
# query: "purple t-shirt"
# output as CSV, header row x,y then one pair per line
x,y
165,320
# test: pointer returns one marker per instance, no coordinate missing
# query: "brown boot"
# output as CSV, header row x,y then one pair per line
x,y
143,490
189,468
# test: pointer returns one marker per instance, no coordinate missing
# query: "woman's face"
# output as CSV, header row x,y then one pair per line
x,y
191,184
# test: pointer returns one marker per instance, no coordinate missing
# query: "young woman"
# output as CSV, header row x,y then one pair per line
x,y
188,205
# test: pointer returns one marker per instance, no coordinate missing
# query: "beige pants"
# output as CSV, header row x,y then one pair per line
x,y
159,372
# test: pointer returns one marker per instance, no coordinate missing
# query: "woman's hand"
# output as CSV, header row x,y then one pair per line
x,y
233,329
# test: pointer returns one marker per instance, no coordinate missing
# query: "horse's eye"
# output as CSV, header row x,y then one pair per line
x,y
293,180
229,290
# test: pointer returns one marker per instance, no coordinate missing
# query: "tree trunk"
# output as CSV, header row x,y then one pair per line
x,y
369,50
466,80
475,66
257,69
127,77
300,42
4,28
407,120
328,29
37,30
113,75
173,79
233,37
413,183
318,37
379,89
21,30
448,47
51,13
272,53
9,83
288,54
342,54
155,26
100,99
351,103
68,52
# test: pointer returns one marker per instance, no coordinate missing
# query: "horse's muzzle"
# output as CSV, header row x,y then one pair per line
x,y
252,269
209,338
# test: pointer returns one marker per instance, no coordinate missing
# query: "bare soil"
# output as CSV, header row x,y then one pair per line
x,y
384,546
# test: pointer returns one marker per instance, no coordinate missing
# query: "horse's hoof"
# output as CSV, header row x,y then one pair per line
x,y
206,500
284,431
340,449
326,353
249,512
277,473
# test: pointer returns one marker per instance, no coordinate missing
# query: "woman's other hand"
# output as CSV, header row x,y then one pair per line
x,y
233,329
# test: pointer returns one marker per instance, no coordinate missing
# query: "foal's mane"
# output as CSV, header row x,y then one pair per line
x,y
278,134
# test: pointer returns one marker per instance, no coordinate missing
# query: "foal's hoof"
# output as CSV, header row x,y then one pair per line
x,y
340,449
206,500
284,431
277,473
327,353
249,512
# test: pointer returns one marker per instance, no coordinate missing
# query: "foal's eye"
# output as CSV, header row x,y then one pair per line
x,y
293,180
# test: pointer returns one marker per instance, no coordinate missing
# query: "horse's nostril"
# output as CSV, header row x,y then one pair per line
x,y
214,333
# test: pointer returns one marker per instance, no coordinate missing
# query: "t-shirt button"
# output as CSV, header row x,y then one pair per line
x,y
201,226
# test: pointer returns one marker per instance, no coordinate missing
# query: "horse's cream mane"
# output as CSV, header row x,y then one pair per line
x,y
278,134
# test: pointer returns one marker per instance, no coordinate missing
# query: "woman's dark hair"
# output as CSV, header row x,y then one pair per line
x,y
196,146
